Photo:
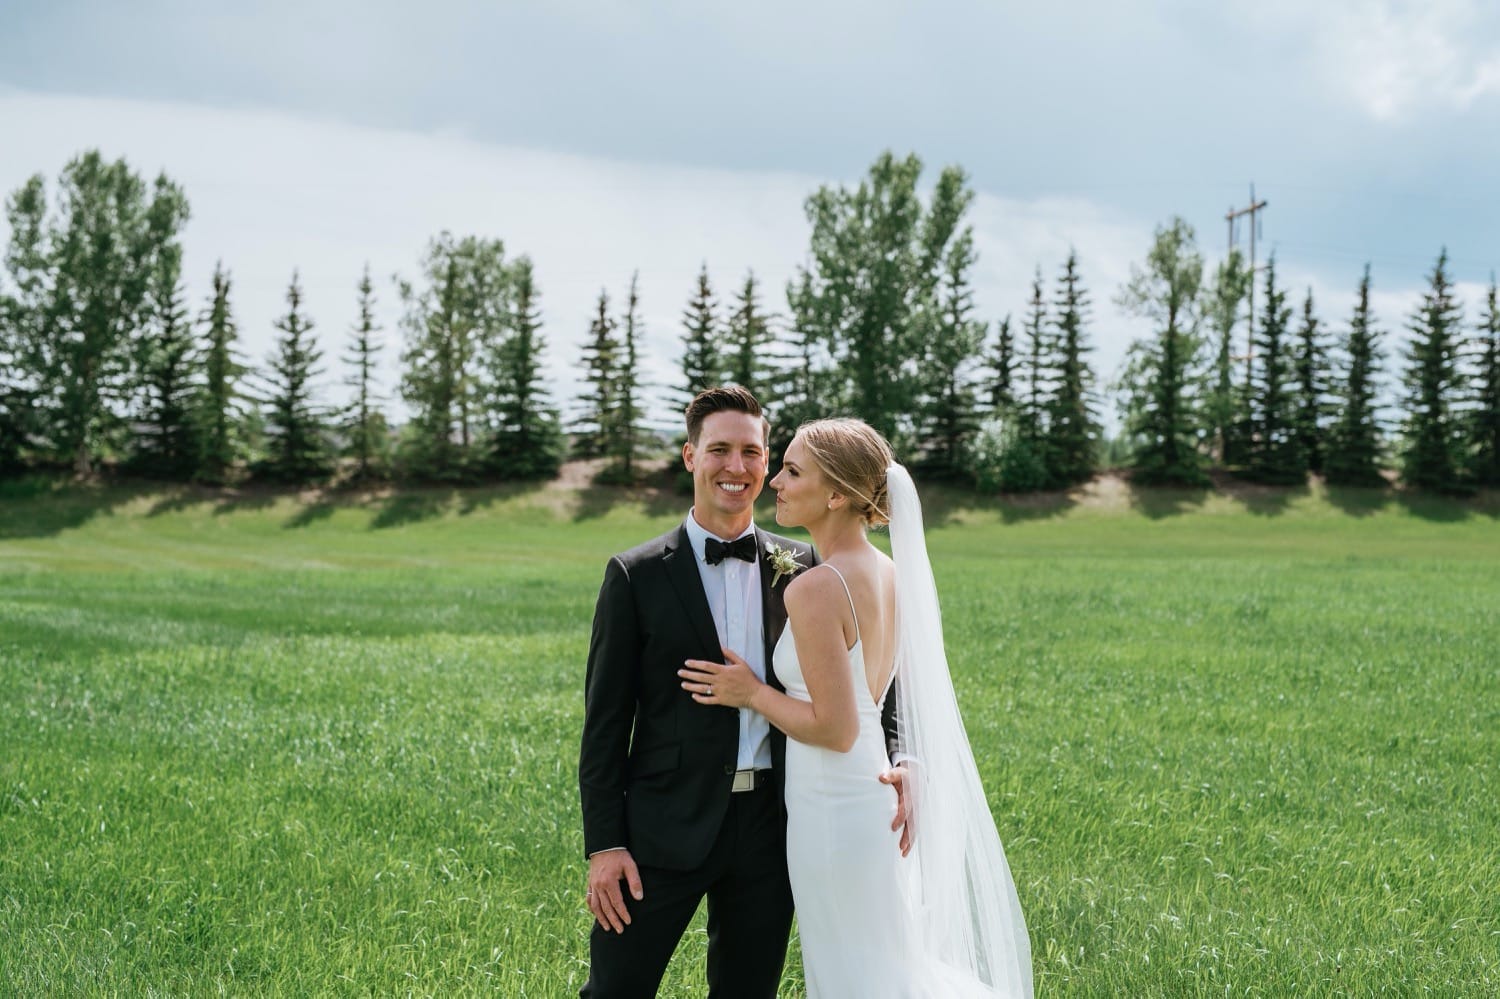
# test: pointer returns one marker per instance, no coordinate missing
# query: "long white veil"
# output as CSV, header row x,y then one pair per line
x,y
968,915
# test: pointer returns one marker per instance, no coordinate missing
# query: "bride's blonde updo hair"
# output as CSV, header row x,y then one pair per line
x,y
853,456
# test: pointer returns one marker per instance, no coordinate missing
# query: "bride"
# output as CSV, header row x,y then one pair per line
x,y
945,920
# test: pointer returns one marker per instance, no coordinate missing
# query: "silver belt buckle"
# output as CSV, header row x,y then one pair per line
x,y
744,780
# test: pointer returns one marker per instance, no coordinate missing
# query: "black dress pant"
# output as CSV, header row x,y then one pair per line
x,y
749,913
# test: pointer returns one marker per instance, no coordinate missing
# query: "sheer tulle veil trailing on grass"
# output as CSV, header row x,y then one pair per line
x,y
968,914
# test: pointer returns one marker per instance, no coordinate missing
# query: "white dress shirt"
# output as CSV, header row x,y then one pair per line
x,y
733,591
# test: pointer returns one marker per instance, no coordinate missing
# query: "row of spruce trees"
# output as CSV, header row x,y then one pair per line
x,y
881,322
101,360
1302,397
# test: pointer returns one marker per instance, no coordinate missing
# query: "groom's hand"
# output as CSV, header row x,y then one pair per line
x,y
896,777
606,901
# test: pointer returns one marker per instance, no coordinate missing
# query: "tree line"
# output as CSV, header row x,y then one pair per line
x,y
103,362
1303,397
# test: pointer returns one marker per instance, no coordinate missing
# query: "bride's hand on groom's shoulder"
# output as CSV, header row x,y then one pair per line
x,y
729,684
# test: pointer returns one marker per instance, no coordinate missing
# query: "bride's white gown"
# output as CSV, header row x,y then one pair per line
x,y
852,890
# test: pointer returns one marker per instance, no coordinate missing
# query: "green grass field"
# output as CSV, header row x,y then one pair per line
x,y
1243,745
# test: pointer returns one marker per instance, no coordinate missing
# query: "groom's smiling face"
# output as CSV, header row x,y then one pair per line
x,y
728,463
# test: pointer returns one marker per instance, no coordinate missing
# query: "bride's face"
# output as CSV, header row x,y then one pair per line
x,y
802,494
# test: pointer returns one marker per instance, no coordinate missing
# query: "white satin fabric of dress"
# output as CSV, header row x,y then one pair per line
x,y
853,890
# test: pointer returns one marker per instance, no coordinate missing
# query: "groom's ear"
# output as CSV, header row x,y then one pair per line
x,y
687,455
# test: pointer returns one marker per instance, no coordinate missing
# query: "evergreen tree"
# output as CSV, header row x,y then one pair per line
x,y
1000,380
166,444
1484,461
1226,410
1432,452
1310,369
165,361
364,424
601,366
1020,436
948,409
751,362
700,347
217,413
528,442
1038,354
1353,457
628,438
1072,429
1161,413
296,437
1275,453
807,384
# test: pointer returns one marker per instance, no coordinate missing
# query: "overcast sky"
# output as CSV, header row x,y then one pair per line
x,y
602,138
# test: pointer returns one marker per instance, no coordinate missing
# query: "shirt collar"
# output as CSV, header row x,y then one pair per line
x,y
698,535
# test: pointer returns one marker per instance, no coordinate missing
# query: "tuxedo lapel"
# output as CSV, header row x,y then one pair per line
x,y
772,609
682,570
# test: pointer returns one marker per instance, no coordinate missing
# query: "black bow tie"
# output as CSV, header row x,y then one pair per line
x,y
717,551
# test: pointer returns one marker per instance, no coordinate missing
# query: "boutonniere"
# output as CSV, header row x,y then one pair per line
x,y
783,560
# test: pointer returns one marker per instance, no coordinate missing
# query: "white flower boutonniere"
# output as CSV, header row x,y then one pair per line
x,y
784,561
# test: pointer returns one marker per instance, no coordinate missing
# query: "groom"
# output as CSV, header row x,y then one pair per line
x,y
682,800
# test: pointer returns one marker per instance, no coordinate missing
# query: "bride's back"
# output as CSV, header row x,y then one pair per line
x,y
871,580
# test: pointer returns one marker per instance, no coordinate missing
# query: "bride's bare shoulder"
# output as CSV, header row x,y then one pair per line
x,y
815,591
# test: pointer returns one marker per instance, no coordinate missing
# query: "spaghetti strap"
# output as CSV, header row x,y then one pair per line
x,y
847,594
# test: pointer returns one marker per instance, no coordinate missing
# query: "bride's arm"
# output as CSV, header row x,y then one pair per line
x,y
830,720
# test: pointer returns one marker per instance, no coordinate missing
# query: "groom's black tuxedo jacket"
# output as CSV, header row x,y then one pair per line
x,y
655,768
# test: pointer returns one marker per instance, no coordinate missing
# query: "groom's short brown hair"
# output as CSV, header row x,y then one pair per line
x,y
720,399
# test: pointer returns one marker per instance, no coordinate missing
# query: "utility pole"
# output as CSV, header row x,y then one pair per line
x,y
1233,214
